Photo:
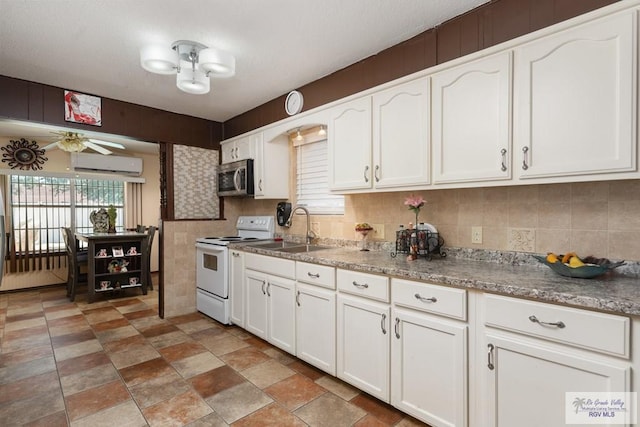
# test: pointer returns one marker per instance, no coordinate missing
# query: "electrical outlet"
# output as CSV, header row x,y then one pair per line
x,y
476,235
378,231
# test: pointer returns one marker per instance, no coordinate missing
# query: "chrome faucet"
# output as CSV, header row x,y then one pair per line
x,y
310,234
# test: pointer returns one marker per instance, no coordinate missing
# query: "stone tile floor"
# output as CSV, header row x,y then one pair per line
x,y
116,363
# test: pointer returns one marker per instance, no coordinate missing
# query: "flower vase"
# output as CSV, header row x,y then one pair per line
x,y
364,239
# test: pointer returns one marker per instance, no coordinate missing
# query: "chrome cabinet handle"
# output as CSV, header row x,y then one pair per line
x,y
375,173
423,299
360,286
263,285
396,328
298,298
525,150
268,286
382,323
490,364
315,276
366,174
559,324
260,184
503,167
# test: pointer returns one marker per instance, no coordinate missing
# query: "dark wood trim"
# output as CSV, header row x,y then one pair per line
x,y
480,28
36,102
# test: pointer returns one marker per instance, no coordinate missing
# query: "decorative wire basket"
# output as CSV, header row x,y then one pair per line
x,y
425,243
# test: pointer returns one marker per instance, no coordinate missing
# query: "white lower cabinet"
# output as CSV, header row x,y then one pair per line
x,y
236,291
270,300
527,381
316,326
429,368
363,344
532,354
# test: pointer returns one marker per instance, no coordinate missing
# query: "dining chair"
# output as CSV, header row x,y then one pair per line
x,y
76,259
151,231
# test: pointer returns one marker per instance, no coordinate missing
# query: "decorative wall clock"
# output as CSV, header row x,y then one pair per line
x,y
24,155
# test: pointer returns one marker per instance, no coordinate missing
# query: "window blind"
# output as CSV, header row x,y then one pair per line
x,y
312,183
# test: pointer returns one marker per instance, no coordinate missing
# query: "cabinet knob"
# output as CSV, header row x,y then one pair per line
x,y
375,173
525,165
559,324
490,364
366,174
503,166
383,325
359,285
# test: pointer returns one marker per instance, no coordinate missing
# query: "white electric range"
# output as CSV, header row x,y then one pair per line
x,y
212,264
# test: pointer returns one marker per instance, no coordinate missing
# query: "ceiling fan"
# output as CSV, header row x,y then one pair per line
x,y
74,142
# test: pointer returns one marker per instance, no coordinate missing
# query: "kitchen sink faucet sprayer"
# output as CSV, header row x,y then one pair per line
x,y
310,234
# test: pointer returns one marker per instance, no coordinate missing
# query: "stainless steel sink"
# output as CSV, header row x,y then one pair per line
x,y
274,245
303,248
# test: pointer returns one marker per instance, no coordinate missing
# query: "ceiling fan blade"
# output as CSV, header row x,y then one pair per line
x,y
107,143
97,148
50,146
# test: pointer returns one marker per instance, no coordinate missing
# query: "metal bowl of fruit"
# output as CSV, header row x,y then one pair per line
x,y
571,265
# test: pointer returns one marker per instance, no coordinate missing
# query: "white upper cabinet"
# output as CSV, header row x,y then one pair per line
x,y
576,100
271,167
381,141
401,135
349,146
237,149
471,111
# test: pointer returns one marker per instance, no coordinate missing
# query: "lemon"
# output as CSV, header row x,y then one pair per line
x,y
575,262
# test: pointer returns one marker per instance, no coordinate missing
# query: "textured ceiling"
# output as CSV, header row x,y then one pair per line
x,y
92,45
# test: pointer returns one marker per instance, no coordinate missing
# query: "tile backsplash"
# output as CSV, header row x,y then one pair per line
x,y
597,218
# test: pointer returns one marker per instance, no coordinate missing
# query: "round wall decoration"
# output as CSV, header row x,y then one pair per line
x,y
293,103
24,155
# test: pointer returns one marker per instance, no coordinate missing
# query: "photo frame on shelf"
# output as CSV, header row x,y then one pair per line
x,y
133,281
105,284
117,251
102,253
132,251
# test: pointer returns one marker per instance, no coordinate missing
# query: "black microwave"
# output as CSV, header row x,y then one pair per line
x,y
236,178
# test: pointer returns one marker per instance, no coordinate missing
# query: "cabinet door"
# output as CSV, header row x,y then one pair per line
x,y
429,368
244,148
363,345
316,327
471,121
271,167
281,313
236,293
256,303
576,100
528,382
228,151
349,146
401,135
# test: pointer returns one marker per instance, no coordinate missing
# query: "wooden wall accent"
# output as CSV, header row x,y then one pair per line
x,y
35,102
490,24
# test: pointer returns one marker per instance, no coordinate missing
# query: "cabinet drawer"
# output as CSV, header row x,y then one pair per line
x,y
430,298
271,265
363,284
605,333
319,275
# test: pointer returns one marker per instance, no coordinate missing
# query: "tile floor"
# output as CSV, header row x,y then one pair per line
x,y
116,363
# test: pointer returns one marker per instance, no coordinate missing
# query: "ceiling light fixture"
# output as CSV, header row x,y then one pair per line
x,y
72,142
323,130
193,63
299,136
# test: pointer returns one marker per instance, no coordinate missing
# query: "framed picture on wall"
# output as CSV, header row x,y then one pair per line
x,y
82,108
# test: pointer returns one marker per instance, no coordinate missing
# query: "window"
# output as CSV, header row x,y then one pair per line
x,y
40,205
313,178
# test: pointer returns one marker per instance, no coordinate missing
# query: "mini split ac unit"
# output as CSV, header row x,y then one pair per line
x,y
83,162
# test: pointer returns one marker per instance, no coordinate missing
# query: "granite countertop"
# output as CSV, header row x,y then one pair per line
x,y
610,292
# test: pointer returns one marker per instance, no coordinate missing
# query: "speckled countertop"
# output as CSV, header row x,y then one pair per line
x,y
610,292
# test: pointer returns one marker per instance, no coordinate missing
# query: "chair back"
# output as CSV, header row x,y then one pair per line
x,y
69,241
151,231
